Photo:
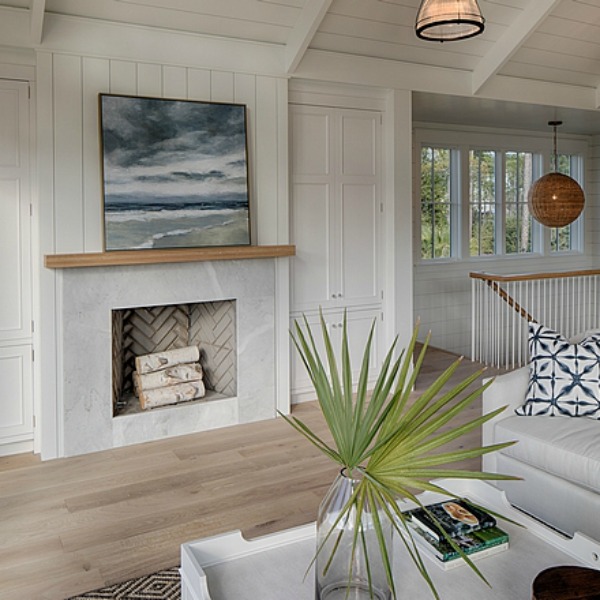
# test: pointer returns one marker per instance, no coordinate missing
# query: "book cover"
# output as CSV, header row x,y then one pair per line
x,y
457,517
472,543
447,565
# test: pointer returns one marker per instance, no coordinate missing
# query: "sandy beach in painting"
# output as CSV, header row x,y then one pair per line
x,y
175,173
186,227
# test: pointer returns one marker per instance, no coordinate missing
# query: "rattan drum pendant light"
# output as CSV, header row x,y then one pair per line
x,y
555,200
448,20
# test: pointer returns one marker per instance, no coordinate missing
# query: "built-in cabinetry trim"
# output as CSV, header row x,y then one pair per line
x,y
175,255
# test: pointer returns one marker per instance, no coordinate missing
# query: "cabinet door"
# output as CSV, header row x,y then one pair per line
x,y
16,397
313,184
359,207
359,326
335,204
16,404
15,228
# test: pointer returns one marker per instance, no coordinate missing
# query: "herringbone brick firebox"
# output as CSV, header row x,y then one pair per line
x,y
145,330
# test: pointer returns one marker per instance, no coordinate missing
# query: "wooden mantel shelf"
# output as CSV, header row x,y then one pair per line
x,y
175,255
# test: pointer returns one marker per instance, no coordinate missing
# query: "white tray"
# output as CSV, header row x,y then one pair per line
x,y
228,567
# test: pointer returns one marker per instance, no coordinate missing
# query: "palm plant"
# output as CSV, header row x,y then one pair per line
x,y
391,441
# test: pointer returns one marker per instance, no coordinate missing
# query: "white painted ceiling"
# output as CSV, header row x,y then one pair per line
x,y
556,41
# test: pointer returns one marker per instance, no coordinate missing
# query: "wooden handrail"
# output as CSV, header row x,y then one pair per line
x,y
510,301
534,276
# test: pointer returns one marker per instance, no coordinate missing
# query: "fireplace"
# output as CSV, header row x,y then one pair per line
x,y
139,331
90,298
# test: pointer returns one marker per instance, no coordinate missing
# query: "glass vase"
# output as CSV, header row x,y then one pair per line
x,y
344,575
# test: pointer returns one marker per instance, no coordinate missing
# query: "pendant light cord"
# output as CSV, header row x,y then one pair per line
x,y
555,124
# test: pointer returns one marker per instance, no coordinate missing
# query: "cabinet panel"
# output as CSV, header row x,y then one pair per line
x,y
359,143
15,227
310,143
9,128
16,415
310,230
359,244
11,314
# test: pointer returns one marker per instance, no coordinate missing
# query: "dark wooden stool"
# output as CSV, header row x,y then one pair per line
x,y
567,583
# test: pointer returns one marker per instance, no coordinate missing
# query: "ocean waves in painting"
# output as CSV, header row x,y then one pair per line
x,y
170,224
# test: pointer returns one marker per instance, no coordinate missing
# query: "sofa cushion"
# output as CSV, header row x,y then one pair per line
x,y
564,377
567,448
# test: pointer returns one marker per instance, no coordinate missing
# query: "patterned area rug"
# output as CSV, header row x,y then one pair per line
x,y
164,585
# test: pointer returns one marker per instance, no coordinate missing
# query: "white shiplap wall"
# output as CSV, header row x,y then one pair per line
x,y
74,83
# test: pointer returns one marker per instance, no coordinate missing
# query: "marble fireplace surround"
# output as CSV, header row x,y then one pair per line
x,y
89,294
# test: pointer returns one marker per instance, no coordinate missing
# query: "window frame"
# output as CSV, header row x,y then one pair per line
x,y
462,141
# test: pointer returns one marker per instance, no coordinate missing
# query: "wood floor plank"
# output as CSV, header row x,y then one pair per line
x,y
71,525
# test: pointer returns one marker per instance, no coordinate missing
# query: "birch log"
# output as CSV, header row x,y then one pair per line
x,y
169,358
168,376
172,394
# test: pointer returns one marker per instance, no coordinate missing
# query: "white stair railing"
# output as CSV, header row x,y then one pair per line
x,y
503,305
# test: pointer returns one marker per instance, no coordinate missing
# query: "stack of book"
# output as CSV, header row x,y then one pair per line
x,y
472,529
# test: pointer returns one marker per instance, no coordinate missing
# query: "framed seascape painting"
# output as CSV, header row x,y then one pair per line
x,y
175,173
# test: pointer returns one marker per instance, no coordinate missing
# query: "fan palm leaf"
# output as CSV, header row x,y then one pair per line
x,y
395,440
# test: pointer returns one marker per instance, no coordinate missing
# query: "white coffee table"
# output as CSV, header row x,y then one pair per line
x,y
227,567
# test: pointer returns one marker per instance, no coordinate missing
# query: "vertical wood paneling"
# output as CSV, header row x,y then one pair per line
x,y
221,85
149,80
245,93
266,160
175,82
123,77
68,154
198,84
96,79
283,225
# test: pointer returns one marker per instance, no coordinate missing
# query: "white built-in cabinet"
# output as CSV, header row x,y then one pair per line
x,y
16,344
335,222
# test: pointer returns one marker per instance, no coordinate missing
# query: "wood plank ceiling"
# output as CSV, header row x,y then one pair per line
x,y
555,41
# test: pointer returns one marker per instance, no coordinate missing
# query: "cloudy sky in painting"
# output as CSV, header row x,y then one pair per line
x,y
156,149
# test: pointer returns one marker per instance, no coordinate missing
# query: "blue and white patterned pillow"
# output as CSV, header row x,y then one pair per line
x,y
564,378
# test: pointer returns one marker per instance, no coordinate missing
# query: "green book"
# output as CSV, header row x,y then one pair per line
x,y
470,543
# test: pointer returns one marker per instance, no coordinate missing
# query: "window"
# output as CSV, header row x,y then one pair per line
x,y
482,199
436,205
518,221
474,188
561,238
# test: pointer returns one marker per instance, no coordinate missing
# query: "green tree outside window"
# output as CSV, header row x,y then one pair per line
x,y
436,213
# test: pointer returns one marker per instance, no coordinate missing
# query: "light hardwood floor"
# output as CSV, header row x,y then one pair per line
x,y
72,525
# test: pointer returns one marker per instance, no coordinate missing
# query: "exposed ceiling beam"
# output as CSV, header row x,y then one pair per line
x,y
37,12
511,40
312,14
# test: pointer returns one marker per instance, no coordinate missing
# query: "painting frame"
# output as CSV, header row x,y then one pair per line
x,y
175,173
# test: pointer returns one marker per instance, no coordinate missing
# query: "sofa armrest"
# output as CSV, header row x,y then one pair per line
x,y
507,390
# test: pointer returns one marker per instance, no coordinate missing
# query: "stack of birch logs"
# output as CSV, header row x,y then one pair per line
x,y
168,377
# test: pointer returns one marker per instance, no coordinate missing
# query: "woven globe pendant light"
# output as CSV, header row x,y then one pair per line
x,y
448,20
555,200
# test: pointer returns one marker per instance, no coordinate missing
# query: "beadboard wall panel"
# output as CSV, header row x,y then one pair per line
x,y
77,192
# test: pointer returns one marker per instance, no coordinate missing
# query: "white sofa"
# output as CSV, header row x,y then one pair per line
x,y
557,457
